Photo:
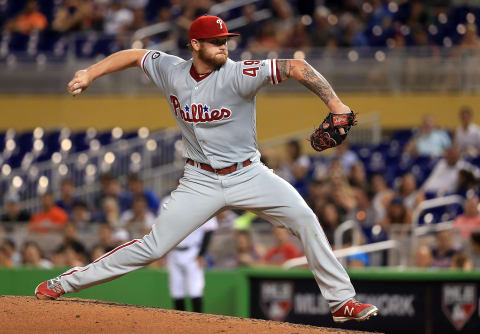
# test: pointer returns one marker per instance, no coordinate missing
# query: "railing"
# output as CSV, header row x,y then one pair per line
x,y
342,253
368,131
347,69
156,157
349,225
404,238
425,205
434,203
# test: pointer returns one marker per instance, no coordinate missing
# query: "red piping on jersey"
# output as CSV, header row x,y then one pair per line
x,y
196,76
143,63
271,71
104,256
74,271
279,78
117,249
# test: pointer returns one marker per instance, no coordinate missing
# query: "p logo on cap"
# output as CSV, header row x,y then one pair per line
x,y
209,26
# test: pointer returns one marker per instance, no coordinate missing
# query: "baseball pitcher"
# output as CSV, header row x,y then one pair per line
x,y
212,99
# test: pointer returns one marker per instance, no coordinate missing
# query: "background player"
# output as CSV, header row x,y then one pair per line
x,y
212,99
186,263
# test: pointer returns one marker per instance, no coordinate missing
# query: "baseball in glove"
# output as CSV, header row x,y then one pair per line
x,y
329,133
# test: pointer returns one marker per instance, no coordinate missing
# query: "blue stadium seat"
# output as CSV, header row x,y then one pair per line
x,y
79,142
105,138
2,141
18,42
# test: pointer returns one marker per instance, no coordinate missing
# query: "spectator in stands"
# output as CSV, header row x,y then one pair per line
x,y
467,134
59,257
12,210
118,18
382,196
467,182
67,196
444,177
322,30
51,218
138,20
110,213
105,237
75,258
462,261
347,157
246,253
296,167
409,193
29,19
283,250
396,213
352,35
428,141
97,252
110,187
475,249
13,255
71,240
357,176
469,221
75,15
363,213
329,219
81,216
109,238
443,249
471,40
423,257
138,220
5,260
318,194
340,193
266,40
298,37
248,31
136,188
32,256
137,4
359,260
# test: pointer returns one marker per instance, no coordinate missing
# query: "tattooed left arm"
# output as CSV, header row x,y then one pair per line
x,y
304,73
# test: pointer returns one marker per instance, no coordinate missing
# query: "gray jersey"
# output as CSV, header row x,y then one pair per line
x,y
215,112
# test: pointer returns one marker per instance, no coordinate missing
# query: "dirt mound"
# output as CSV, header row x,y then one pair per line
x,y
72,315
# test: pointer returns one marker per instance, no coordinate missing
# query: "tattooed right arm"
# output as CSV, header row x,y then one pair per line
x,y
304,73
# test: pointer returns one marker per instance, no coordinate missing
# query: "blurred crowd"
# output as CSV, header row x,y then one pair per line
x,y
293,23
338,188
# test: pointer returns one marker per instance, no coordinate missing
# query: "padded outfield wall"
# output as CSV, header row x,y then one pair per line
x,y
417,301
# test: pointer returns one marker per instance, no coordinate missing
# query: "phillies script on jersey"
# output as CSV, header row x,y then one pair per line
x,y
198,113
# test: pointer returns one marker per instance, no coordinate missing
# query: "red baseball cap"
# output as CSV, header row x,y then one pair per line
x,y
209,26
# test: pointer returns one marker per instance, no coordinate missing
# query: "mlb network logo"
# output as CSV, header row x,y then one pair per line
x,y
459,302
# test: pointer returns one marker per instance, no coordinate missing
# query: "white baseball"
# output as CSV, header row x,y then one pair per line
x,y
76,91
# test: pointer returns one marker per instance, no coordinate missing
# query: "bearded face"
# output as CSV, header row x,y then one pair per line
x,y
213,55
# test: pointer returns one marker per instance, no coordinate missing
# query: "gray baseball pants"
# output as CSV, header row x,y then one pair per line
x,y
200,196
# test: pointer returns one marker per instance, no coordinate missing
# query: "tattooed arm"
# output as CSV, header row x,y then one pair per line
x,y
313,80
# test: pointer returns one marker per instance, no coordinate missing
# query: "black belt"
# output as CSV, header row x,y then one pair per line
x,y
182,248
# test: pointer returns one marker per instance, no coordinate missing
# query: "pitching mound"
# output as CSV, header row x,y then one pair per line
x,y
72,315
